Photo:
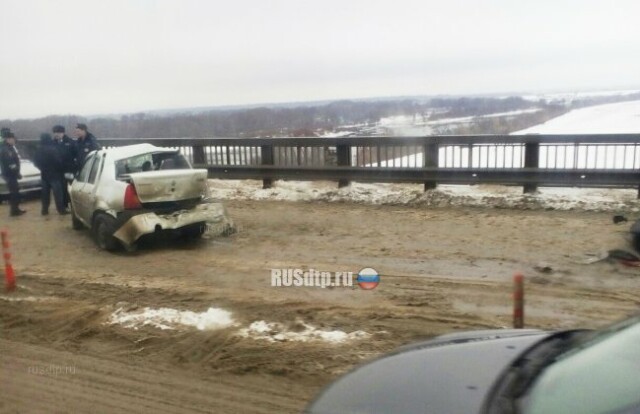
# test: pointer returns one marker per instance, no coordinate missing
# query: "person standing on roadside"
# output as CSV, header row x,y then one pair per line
x,y
10,168
3,133
84,145
67,149
48,160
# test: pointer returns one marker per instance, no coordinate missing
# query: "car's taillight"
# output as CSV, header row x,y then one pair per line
x,y
131,200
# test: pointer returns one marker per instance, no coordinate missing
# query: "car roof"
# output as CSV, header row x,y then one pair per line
x,y
118,153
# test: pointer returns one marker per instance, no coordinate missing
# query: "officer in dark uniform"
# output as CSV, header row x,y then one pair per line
x,y
10,167
48,160
3,133
67,150
85,144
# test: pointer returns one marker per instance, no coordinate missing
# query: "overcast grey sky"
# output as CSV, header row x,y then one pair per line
x,y
90,57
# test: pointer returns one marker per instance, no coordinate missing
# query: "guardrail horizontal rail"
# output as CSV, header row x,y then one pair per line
x,y
586,160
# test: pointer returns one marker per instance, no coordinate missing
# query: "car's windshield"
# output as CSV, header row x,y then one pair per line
x,y
152,162
599,375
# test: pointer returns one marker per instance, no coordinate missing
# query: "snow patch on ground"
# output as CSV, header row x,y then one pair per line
x,y
215,318
301,332
27,298
167,318
495,196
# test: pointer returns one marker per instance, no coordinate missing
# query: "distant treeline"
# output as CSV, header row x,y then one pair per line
x,y
463,107
306,120
507,124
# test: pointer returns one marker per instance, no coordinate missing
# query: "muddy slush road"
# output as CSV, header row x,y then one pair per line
x,y
441,270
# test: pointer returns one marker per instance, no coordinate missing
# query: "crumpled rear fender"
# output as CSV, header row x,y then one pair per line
x,y
212,213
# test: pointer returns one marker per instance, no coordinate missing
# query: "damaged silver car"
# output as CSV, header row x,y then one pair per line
x,y
122,194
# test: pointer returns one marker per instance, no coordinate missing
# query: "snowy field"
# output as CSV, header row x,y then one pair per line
x,y
616,118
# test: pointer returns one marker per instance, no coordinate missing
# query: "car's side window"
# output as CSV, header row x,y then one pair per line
x,y
94,170
84,173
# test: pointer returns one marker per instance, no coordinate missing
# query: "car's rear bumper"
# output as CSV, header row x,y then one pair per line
x,y
137,225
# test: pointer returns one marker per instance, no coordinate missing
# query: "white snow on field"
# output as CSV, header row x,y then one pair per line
x,y
555,156
615,118
167,318
496,196
275,332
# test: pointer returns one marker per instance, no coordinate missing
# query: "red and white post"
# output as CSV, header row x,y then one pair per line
x,y
518,301
9,275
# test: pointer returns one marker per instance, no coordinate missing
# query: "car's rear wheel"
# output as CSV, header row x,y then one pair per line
x,y
103,228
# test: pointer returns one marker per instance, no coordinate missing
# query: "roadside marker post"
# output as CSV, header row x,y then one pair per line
x,y
9,275
518,301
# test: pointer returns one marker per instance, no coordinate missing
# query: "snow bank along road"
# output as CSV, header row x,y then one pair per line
x,y
198,328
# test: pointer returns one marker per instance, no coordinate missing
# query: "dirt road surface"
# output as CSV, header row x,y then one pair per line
x,y
441,270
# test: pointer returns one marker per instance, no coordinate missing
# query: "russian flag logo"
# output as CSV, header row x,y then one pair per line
x,y
368,278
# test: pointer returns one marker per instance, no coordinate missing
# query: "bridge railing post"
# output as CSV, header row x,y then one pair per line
x,y
343,154
199,155
430,160
531,160
266,159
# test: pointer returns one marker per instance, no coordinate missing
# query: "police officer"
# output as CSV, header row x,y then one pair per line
x,y
10,167
67,149
3,133
84,145
48,160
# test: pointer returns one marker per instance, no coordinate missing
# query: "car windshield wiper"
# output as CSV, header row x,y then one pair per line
x,y
524,370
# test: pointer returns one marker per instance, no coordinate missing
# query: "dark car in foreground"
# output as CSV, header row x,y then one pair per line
x,y
498,371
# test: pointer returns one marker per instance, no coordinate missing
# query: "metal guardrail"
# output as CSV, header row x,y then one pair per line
x,y
605,160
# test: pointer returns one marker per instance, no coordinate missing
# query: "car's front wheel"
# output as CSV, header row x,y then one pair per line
x,y
103,228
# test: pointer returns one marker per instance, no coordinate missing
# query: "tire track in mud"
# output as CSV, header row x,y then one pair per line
x,y
75,317
193,371
87,383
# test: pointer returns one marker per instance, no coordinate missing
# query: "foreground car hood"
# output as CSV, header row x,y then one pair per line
x,y
450,374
